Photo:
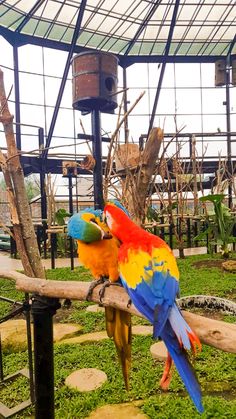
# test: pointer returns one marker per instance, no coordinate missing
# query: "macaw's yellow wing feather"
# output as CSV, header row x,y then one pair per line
x,y
118,326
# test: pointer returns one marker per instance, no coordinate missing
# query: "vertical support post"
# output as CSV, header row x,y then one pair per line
x,y
43,309
195,227
81,11
190,146
171,235
228,127
17,97
162,229
71,212
43,192
163,67
53,249
189,240
125,104
207,236
97,154
29,347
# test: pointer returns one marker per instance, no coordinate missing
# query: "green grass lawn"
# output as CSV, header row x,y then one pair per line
x,y
216,370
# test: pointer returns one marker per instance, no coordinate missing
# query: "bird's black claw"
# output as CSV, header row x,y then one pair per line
x,y
103,289
93,285
129,303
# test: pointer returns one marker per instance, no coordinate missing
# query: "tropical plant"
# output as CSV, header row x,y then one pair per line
x,y
60,216
152,214
220,224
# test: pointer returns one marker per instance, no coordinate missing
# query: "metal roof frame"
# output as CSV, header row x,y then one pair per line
x,y
135,31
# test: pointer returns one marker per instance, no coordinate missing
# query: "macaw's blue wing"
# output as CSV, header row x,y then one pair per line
x,y
151,280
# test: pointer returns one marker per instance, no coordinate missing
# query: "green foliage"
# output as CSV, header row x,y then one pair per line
x,y
215,369
60,216
62,239
65,274
215,407
153,214
15,391
32,187
220,225
205,280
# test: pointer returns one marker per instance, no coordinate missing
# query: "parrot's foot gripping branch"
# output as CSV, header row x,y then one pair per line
x,y
129,303
93,285
105,285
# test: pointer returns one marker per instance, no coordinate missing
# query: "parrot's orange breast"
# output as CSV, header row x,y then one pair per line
x,y
100,257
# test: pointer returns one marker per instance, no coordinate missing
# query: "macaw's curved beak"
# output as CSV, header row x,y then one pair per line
x,y
106,235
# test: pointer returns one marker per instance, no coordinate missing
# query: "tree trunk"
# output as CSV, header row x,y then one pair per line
x,y
24,229
136,184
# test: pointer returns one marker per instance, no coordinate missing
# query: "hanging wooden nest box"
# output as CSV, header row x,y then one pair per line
x,y
220,73
127,157
94,81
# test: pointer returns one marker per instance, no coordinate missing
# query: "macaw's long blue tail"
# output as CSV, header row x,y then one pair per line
x,y
182,363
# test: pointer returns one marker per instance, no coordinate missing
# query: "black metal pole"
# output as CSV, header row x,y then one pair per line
x,y
71,212
43,309
97,154
163,66
17,97
53,249
65,74
189,241
228,128
171,235
42,176
29,347
125,104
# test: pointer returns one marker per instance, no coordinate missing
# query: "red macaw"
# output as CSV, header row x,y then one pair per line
x,y
149,273
98,251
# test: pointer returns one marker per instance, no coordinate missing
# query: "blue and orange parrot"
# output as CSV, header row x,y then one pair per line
x,y
98,251
149,273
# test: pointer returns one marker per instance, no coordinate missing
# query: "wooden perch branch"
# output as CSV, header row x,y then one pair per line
x,y
215,333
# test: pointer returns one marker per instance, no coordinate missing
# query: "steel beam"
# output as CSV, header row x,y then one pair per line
x,y
29,15
142,26
125,61
17,97
163,67
126,129
97,154
64,77
32,165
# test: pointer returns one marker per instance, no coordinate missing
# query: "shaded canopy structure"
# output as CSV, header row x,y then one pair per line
x,y
136,31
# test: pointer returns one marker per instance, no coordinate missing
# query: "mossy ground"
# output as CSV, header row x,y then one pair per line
x,y
216,370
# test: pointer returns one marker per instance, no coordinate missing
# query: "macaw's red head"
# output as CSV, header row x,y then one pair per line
x,y
116,219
